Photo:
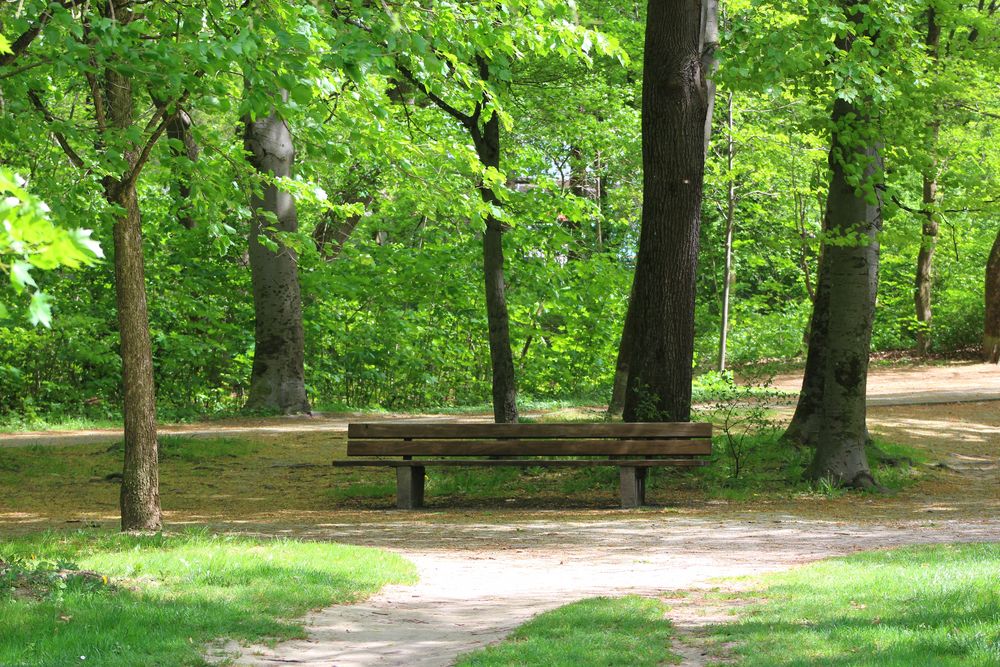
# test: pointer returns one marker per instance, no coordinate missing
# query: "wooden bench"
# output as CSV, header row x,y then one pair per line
x,y
632,447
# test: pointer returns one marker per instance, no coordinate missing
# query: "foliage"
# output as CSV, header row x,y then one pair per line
x,y
29,240
193,588
394,309
630,630
933,605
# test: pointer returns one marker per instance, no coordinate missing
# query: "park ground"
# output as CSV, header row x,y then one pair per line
x,y
489,559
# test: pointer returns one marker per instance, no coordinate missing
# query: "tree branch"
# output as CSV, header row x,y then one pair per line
x,y
73,156
21,44
463,118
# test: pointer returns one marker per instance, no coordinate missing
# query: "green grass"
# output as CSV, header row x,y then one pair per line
x,y
628,630
198,449
167,596
923,606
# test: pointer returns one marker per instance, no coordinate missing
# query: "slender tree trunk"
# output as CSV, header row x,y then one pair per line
x,y
487,143
929,231
277,381
140,489
727,272
620,383
991,330
675,101
925,268
852,271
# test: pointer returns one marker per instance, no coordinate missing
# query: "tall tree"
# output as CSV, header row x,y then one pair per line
x,y
277,380
676,99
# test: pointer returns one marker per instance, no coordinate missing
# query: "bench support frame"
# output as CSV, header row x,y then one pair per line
x,y
633,486
409,487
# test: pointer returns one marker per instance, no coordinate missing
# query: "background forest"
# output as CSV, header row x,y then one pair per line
x,y
389,191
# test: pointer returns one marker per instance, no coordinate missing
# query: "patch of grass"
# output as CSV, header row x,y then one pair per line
x,y
363,490
630,630
921,606
197,449
168,595
768,465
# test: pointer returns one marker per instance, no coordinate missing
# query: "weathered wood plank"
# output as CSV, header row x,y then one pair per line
x,y
514,447
423,430
519,463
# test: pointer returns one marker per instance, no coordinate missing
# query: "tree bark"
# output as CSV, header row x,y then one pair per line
x,y
803,430
140,494
991,330
277,381
852,270
620,383
675,102
487,143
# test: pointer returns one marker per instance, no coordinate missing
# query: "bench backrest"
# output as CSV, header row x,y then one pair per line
x,y
451,439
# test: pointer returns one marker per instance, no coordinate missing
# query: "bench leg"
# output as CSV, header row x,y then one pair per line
x,y
409,487
633,486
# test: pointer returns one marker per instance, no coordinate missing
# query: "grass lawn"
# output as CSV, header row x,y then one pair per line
x,y
110,599
629,630
922,606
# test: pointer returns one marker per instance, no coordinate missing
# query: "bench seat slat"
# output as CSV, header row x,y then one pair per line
x,y
520,463
422,430
517,447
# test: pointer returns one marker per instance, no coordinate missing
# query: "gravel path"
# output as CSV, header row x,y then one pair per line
x,y
478,582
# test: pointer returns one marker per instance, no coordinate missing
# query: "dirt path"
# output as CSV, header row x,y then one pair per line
x,y
479,581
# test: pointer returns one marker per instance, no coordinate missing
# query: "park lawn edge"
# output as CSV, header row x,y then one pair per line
x,y
928,605
163,599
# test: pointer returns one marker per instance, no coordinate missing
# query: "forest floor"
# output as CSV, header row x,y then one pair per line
x,y
487,565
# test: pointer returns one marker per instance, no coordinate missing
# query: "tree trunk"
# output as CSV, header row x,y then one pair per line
x,y
487,143
727,273
675,101
991,330
803,430
140,489
925,266
852,270
277,381
928,238
620,383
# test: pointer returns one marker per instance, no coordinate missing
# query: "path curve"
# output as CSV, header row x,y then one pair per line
x,y
478,582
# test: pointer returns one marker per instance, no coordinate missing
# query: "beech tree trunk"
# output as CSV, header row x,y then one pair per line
x,y
140,489
852,270
991,330
487,143
675,102
277,381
